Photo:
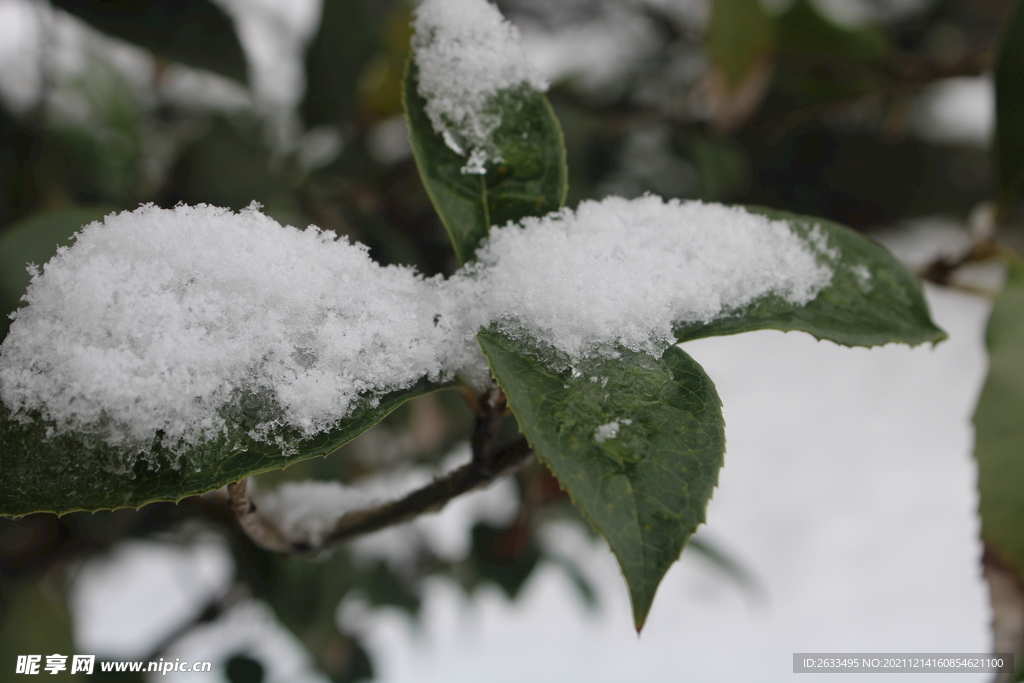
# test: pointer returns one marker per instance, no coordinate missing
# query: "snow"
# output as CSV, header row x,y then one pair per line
x,y
308,510
171,579
166,321
155,320
959,110
610,430
467,55
161,320
623,271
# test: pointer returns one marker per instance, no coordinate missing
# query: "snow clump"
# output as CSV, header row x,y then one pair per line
x,y
623,272
181,322
466,54
157,320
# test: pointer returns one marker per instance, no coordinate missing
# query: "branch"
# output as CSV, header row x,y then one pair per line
x,y
433,496
487,465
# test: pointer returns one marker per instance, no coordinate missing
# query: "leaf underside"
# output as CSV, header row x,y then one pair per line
x,y
530,180
884,308
646,489
63,473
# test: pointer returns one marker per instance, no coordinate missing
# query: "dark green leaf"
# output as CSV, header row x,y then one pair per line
x,y
886,307
803,30
228,166
531,181
241,668
645,489
505,555
33,620
305,595
820,61
35,240
999,427
61,473
739,33
194,32
1010,108
335,58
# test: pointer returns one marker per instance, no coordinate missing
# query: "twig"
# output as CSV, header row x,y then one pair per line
x,y
433,496
487,465
262,532
942,269
493,408
208,613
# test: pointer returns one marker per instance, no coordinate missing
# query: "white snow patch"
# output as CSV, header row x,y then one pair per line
x,y
622,272
466,54
308,510
609,430
863,275
957,110
167,321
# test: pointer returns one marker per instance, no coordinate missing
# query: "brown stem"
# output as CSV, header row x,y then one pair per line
x,y
942,269
262,532
434,495
487,465
488,419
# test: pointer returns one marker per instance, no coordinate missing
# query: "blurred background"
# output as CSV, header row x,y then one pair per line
x,y
846,517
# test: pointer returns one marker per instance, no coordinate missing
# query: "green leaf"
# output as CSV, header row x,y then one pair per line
x,y
739,33
194,32
999,427
345,40
645,489
63,473
531,181
35,240
1009,80
820,61
888,306
35,621
506,555
804,31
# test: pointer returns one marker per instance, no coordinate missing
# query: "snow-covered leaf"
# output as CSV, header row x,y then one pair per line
x,y
529,180
41,471
168,352
871,300
636,440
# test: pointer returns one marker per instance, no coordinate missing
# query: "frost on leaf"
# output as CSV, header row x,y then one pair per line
x,y
610,430
467,55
